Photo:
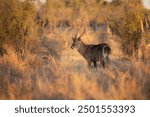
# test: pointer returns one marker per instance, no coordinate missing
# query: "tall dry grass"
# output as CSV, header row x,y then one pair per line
x,y
52,70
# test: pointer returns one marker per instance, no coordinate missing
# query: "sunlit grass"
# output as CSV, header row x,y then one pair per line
x,y
52,70
65,75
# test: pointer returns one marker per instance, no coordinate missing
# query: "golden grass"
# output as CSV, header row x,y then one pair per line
x,y
54,71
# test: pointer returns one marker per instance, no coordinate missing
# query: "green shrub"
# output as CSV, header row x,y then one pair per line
x,y
126,23
16,23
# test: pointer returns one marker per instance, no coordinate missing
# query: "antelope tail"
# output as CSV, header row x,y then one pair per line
x,y
106,51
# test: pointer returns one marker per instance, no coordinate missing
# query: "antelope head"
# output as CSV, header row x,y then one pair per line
x,y
77,40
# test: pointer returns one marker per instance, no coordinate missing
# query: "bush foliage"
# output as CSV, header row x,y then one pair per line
x,y
127,25
16,23
18,20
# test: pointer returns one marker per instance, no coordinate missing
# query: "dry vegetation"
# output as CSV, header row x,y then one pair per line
x,y
37,62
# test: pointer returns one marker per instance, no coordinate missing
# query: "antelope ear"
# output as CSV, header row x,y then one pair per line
x,y
73,39
79,39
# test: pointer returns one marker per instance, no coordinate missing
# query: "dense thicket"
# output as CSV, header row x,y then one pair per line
x,y
18,20
16,24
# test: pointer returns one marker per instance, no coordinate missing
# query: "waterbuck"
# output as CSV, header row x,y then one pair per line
x,y
92,53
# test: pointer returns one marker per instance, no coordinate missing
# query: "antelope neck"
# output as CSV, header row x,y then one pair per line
x,y
82,48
